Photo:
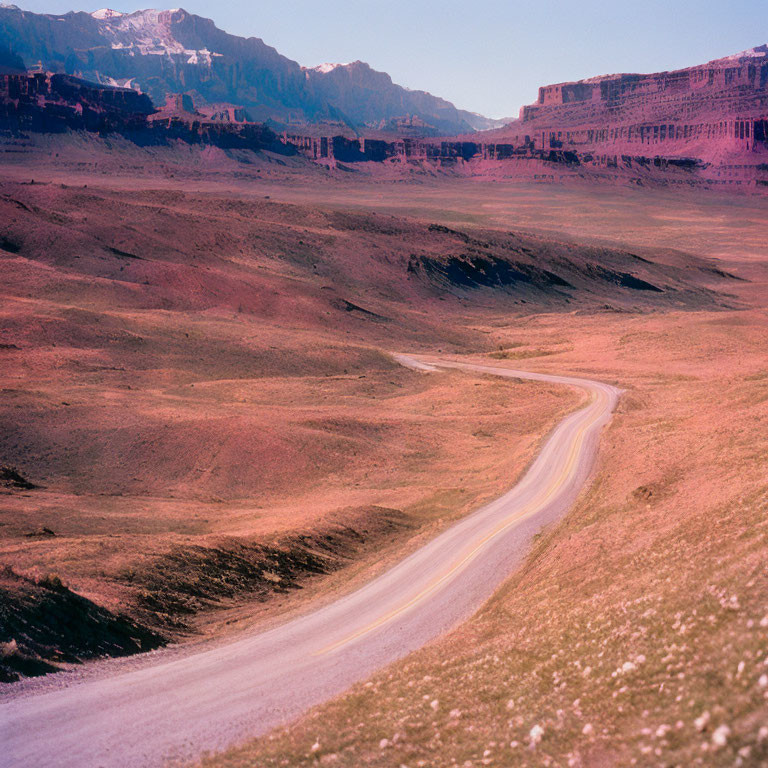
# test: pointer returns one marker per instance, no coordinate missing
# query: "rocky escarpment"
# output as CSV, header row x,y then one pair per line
x,y
528,160
714,115
54,103
715,107
164,52
706,125
351,149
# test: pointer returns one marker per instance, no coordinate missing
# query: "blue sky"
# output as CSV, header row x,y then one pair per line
x,y
489,56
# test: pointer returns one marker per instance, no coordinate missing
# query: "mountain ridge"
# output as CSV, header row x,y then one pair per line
x,y
169,51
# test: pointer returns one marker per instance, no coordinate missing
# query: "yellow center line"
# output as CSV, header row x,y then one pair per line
x,y
529,509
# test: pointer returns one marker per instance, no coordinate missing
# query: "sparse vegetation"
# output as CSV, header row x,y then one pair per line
x,y
231,392
635,633
209,424
44,625
522,354
173,588
10,477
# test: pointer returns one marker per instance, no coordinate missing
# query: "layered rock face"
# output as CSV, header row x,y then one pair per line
x,y
346,149
706,125
702,125
51,103
715,114
164,52
54,103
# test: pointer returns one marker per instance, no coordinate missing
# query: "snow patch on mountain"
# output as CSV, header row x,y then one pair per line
x,y
149,33
327,67
106,13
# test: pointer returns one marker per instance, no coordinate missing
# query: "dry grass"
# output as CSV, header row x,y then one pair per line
x,y
636,631
635,634
208,389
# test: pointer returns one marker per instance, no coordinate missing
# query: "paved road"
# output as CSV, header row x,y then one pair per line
x,y
185,703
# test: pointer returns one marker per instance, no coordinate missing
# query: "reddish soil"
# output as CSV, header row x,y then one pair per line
x,y
635,632
199,388
197,382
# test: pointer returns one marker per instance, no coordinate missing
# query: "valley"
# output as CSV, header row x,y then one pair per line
x,y
343,426
634,634
183,543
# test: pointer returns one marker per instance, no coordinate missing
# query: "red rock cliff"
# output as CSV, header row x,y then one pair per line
x,y
712,112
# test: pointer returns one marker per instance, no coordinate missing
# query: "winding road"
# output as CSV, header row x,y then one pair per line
x,y
179,705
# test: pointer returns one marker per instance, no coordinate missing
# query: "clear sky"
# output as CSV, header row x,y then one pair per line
x,y
489,56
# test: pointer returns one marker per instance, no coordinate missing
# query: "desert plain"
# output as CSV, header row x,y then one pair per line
x,y
204,430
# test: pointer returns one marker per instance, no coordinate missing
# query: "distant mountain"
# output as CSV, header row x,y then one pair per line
x,y
372,99
163,52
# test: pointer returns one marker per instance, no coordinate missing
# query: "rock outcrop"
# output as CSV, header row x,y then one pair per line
x,y
714,115
702,126
47,102
705,125
54,103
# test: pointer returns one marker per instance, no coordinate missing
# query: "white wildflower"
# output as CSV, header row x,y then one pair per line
x,y
702,721
720,736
